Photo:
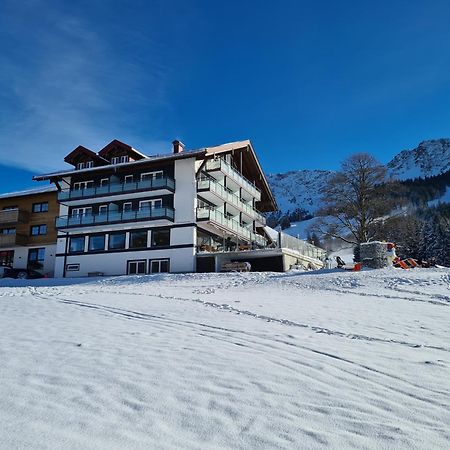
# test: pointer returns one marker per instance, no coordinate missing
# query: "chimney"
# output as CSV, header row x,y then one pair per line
x,y
178,146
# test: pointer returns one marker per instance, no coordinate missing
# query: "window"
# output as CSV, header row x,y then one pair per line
x,y
37,230
116,241
103,209
151,175
10,208
8,231
76,212
147,204
137,267
7,258
72,267
128,206
79,185
40,207
120,159
85,165
160,238
138,239
76,244
104,182
159,266
128,179
36,257
96,242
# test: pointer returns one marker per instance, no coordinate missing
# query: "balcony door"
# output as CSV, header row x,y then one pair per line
x,y
79,212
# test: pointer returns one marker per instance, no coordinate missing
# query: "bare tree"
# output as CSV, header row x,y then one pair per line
x,y
355,198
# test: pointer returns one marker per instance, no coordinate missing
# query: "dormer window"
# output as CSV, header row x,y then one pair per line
x,y
85,165
120,159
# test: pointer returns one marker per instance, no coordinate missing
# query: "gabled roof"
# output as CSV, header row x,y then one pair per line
x,y
249,159
85,151
116,143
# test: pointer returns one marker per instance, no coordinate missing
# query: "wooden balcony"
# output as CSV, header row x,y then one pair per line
x,y
12,240
12,216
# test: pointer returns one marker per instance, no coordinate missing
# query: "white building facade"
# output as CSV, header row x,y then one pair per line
x,y
122,212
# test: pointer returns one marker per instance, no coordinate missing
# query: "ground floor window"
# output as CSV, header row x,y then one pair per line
x,y
137,267
36,257
116,241
7,258
76,244
96,242
160,238
159,265
138,239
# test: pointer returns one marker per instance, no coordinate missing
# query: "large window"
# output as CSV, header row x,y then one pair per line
x,y
40,207
116,241
96,242
160,238
37,230
159,265
76,244
138,239
36,257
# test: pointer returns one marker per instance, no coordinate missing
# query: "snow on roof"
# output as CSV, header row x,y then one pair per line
x,y
41,190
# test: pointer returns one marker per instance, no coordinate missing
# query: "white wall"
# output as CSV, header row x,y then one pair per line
x,y
185,191
181,260
21,258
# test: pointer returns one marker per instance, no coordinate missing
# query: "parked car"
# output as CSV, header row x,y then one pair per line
x,y
10,272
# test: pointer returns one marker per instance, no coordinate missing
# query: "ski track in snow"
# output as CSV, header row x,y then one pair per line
x,y
159,361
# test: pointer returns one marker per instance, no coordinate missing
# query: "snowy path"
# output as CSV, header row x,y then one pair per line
x,y
210,361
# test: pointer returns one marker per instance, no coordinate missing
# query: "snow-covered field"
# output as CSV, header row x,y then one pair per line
x,y
297,360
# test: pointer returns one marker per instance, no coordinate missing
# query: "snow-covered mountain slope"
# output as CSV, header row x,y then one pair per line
x,y
430,158
227,361
299,189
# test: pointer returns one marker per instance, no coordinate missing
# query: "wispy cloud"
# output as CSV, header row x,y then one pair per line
x,y
65,84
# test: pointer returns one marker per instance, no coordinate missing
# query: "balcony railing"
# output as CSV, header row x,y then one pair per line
x,y
80,220
118,188
230,197
11,216
230,224
230,171
10,240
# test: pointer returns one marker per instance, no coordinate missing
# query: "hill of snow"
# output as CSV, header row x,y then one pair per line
x,y
428,159
256,360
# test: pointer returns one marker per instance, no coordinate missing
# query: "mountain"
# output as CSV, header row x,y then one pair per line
x,y
429,158
301,189
298,189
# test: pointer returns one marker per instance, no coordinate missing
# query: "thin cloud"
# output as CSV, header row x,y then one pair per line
x,y
65,85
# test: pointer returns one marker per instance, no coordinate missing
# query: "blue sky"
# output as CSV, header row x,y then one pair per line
x,y
308,82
